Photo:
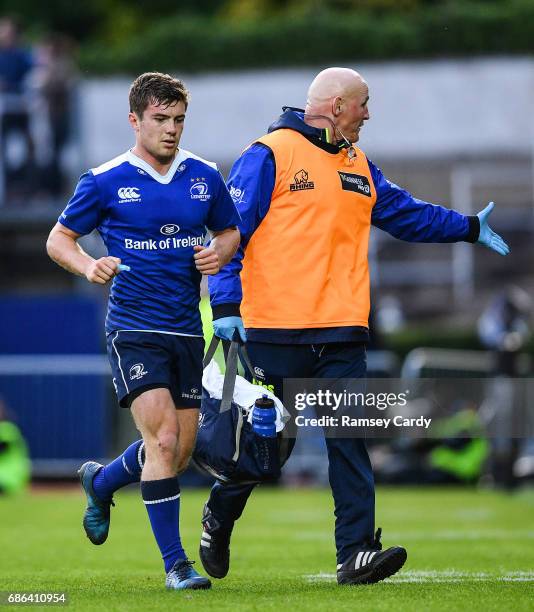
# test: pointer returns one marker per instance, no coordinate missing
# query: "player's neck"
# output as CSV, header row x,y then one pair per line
x,y
159,165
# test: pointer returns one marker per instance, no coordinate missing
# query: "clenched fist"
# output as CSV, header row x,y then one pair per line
x,y
102,270
206,260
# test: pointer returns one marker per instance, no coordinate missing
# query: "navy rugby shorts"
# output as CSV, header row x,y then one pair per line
x,y
150,360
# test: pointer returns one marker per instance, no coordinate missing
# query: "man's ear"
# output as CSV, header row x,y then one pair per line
x,y
337,106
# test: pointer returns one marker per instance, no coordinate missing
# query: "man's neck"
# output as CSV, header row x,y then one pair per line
x,y
159,166
321,122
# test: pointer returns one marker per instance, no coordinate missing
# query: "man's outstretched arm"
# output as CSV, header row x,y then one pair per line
x,y
487,236
400,214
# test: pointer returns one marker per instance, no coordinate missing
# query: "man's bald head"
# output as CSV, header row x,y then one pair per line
x,y
340,95
333,82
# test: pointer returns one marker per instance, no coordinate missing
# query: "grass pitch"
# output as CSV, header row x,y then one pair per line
x,y
467,550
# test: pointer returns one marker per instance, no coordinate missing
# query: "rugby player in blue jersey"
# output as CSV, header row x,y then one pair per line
x,y
152,206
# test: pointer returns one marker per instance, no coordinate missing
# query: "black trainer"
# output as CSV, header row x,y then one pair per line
x,y
214,549
372,564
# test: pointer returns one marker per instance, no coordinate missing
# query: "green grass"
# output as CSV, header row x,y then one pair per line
x,y
466,550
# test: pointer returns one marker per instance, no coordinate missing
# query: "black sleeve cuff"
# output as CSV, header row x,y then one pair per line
x,y
225,310
474,229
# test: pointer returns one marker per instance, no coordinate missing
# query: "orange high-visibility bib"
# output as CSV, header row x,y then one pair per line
x,y
306,264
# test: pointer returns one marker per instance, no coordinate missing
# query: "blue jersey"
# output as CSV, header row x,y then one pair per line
x,y
151,222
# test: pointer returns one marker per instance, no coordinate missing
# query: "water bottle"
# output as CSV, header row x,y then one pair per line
x,y
264,417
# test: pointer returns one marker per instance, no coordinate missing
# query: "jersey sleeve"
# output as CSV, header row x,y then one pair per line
x,y
251,184
83,212
397,212
223,213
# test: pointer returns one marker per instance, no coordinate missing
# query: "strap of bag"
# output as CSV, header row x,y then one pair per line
x,y
211,351
229,378
230,374
243,354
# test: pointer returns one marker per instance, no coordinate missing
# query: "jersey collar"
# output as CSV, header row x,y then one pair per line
x,y
164,179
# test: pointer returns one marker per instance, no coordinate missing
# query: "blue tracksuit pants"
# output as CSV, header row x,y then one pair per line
x,y
350,472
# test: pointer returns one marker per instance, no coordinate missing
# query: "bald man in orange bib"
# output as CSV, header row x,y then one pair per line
x,y
298,289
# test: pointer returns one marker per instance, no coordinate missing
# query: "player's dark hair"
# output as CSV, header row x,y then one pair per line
x,y
156,88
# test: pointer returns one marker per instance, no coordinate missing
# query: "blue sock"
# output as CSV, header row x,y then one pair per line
x,y
124,470
162,501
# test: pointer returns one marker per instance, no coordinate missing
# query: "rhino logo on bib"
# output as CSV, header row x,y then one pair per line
x,y
301,181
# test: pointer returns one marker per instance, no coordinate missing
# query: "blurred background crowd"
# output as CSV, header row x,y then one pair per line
x,y
36,88
451,103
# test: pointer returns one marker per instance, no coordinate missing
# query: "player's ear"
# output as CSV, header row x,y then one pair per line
x,y
134,121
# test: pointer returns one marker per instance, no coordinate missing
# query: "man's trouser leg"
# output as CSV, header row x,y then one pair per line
x,y
349,469
228,501
351,480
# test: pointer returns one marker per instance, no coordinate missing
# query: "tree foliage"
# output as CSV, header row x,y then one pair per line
x,y
134,35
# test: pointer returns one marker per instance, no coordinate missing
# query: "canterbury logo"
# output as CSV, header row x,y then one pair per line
x,y
129,193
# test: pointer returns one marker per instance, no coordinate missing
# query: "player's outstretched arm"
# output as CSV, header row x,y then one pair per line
x,y
209,260
63,248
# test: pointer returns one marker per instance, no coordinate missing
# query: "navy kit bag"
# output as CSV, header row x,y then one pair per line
x,y
227,446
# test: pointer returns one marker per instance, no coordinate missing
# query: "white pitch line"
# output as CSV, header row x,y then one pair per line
x,y
447,535
443,576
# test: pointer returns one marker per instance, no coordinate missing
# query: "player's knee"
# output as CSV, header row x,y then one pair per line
x,y
165,444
